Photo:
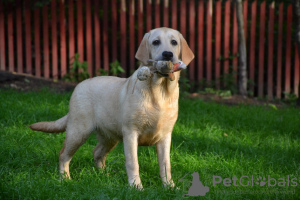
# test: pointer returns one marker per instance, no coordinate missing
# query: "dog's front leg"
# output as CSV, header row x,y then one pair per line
x,y
163,155
131,159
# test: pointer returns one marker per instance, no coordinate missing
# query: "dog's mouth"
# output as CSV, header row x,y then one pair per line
x,y
166,68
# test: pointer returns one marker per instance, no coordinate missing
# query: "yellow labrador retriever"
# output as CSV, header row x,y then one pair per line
x,y
140,110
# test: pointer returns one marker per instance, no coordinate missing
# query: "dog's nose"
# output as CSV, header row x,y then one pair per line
x,y
168,55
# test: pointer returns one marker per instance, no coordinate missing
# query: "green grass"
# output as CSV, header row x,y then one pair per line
x,y
209,138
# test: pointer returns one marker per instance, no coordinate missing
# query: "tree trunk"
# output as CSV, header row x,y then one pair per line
x,y
242,49
296,8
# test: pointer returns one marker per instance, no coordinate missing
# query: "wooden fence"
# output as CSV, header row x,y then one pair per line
x,y
42,41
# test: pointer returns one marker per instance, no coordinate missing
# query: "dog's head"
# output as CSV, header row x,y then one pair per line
x,y
164,44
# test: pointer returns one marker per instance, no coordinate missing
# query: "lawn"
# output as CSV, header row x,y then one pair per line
x,y
217,141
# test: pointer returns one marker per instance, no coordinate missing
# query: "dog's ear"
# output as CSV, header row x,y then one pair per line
x,y
142,53
186,53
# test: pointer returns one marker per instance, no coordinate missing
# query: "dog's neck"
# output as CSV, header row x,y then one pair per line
x,y
158,87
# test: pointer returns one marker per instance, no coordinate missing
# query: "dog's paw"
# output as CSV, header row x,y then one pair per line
x,y
143,73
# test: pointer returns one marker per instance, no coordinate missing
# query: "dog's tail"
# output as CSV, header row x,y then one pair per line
x,y
57,126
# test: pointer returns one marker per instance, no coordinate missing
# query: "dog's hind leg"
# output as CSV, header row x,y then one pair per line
x,y
103,147
75,137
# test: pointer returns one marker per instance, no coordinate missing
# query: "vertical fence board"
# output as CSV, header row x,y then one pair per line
x,y
2,38
200,40
192,16
252,45
123,33
114,16
279,51
209,40
157,14
235,44
140,20
80,42
166,13
218,34
261,50
105,36
270,50
296,72
245,13
97,37
19,37
287,85
28,54
88,29
37,45
131,37
54,40
46,63
183,18
226,36
63,49
149,15
174,14
71,33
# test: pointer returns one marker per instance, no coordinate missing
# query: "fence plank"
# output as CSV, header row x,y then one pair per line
x,y
270,50
261,50
80,42
114,17
209,40
245,13
46,63
71,33
131,38
227,37
97,37
157,14
149,15
296,72
218,34
28,53
19,36
123,34
2,38
63,49
54,40
140,20
200,40
279,51
37,44
183,17
192,16
105,36
166,13
174,14
235,44
252,45
89,44
287,87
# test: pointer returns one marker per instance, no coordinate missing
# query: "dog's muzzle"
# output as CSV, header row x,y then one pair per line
x,y
166,68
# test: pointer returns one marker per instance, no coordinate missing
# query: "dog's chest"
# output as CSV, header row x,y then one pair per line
x,y
154,121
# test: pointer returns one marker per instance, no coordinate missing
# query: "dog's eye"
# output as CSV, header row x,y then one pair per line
x,y
156,42
174,42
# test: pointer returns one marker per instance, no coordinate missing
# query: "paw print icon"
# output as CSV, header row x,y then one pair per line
x,y
261,181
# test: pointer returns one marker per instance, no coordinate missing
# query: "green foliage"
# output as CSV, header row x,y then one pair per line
x,y
291,98
209,138
78,72
184,84
115,69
